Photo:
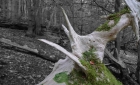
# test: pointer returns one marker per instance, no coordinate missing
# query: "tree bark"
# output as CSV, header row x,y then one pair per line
x,y
81,44
19,47
34,19
117,41
138,64
38,10
30,18
117,5
134,6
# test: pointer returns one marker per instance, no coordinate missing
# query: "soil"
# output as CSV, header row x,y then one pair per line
x,y
18,67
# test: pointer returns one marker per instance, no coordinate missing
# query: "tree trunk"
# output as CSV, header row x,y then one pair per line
x,y
84,65
4,9
117,5
34,19
38,10
117,41
138,64
134,6
30,18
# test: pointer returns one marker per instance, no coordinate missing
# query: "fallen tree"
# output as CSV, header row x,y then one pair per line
x,y
26,49
84,65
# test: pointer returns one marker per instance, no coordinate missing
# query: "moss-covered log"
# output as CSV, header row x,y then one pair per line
x,y
83,66
97,73
114,18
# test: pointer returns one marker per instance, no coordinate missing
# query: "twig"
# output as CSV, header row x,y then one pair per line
x,y
102,7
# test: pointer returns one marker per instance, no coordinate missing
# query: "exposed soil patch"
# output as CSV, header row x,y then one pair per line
x,y
19,67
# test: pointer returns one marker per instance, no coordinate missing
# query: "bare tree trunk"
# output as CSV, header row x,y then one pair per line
x,y
55,17
134,6
4,9
82,44
37,11
117,41
30,18
34,19
9,8
138,64
14,11
117,5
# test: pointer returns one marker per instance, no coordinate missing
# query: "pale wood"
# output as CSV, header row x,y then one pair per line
x,y
80,44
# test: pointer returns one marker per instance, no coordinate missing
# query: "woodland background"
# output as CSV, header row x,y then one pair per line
x,y
84,14
46,15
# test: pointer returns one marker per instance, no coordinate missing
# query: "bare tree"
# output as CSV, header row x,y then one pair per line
x,y
117,41
34,12
93,46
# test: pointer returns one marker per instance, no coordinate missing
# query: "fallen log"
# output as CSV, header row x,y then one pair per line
x,y
24,48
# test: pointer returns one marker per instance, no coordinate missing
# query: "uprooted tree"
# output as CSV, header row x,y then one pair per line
x,y
83,66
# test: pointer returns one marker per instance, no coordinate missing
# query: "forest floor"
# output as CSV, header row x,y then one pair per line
x,y
18,67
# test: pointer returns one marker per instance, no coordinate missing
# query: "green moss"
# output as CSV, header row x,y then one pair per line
x,y
97,73
115,17
104,27
61,77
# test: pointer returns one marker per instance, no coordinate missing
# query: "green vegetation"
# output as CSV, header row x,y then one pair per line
x,y
97,73
104,27
115,17
61,77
